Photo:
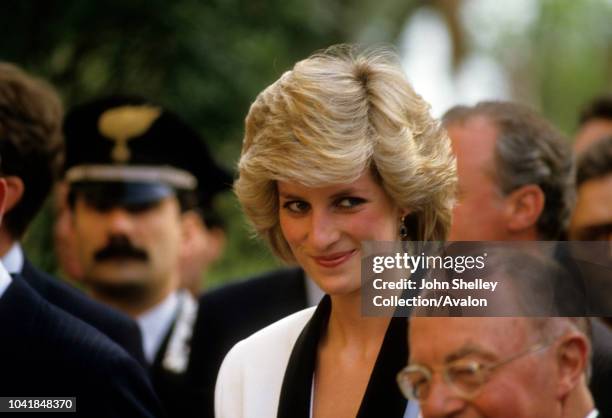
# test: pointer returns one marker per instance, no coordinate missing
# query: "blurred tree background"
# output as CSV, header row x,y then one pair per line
x,y
207,60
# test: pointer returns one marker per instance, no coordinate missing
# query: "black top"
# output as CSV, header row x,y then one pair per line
x,y
382,397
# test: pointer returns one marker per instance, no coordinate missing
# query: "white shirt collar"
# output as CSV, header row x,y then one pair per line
x,y
5,280
155,324
13,259
593,414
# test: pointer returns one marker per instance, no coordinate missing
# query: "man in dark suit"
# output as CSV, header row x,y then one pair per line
x,y
135,173
52,354
516,183
31,146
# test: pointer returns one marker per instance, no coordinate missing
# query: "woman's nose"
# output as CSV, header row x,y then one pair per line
x,y
324,230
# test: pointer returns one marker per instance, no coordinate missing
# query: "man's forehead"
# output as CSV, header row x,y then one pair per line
x,y
449,338
473,141
594,203
479,127
591,132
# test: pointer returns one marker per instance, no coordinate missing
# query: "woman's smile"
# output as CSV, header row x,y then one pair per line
x,y
335,259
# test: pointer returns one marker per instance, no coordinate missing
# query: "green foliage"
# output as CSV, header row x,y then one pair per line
x,y
560,60
572,56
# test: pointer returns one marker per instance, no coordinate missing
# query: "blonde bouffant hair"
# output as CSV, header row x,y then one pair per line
x,y
334,115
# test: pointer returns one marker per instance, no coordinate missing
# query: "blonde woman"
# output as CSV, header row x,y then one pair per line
x,y
338,151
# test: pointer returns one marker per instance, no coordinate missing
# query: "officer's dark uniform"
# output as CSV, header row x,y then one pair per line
x,y
123,151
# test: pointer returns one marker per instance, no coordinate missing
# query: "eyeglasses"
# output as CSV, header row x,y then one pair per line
x,y
466,377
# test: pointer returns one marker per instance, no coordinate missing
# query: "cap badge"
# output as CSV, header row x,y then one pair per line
x,y
120,124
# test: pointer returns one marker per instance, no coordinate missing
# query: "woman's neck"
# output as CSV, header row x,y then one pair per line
x,y
347,327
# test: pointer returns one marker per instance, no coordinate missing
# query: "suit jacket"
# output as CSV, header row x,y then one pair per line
x,y
114,324
47,352
270,373
232,313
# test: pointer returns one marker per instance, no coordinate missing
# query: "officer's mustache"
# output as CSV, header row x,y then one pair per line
x,y
120,247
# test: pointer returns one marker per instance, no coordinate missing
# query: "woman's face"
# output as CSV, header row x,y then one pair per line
x,y
325,226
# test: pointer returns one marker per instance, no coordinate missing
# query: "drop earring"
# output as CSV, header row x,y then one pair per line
x,y
403,230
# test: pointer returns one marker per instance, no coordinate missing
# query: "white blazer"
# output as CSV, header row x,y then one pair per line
x,y
251,376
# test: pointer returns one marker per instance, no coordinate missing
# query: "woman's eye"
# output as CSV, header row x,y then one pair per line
x,y
349,202
296,206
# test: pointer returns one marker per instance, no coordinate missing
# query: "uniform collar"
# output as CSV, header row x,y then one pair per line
x,y
155,323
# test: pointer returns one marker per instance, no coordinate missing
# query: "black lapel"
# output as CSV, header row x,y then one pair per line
x,y
382,397
303,290
156,367
295,393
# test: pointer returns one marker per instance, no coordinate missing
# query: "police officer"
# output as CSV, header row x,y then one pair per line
x,y
134,170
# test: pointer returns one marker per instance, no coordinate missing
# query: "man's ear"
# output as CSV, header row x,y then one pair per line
x,y
201,241
216,243
2,196
14,191
524,207
189,221
572,357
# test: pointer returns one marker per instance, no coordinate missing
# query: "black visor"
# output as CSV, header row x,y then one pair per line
x,y
104,195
